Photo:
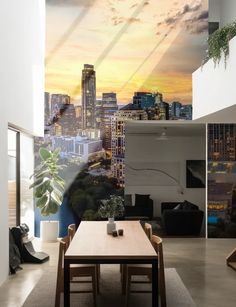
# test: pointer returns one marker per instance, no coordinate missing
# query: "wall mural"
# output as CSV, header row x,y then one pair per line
x,y
108,61
222,181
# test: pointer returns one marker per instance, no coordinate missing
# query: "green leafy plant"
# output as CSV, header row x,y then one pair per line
x,y
48,185
218,43
112,207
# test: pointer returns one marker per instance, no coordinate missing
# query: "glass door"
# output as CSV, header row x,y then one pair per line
x,y
13,201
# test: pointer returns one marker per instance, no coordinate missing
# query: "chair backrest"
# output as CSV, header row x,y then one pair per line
x,y
64,243
71,231
148,230
157,244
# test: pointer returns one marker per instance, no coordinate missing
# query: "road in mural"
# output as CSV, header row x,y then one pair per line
x,y
108,61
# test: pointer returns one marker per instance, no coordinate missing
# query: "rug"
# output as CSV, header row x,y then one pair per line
x,y
43,294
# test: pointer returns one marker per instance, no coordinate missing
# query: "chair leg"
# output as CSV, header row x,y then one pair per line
x,y
94,286
124,278
97,271
128,283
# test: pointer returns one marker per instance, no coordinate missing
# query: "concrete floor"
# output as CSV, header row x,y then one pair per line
x,y
199,262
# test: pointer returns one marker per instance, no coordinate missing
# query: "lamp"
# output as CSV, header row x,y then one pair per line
x,y
180,189
163,136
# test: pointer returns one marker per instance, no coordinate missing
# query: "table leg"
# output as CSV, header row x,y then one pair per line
x,y
66,283
155,292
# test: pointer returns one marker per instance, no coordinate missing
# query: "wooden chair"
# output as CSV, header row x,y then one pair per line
x,y
146,270
231,259
71,231
148,230
75,271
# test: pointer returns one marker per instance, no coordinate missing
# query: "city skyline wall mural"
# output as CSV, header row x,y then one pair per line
x,y
108,61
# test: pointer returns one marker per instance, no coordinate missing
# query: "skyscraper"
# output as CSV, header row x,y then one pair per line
x,y
222,142
128,112
175,109
88,96
108,109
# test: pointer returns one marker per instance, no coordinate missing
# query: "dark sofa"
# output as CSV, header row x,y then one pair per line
x,y
181,218
142,209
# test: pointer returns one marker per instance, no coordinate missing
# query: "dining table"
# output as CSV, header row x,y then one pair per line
x,y
92,245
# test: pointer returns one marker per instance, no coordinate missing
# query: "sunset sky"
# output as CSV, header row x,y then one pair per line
x,y
135,45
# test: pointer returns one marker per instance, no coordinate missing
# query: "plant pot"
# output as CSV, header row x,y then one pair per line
x,y
111,225
49,231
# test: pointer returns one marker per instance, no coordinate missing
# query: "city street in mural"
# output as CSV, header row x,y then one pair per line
x,y
108,61
222,181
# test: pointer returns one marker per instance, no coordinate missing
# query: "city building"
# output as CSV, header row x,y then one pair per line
x,y
46,107
222,142
107,110
175,108
88,88
57,102
83,147
162,111
128,112
186,112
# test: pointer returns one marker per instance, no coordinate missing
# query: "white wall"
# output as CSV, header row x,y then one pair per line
x,y
227,11
223,11
214,86
141,148
22,31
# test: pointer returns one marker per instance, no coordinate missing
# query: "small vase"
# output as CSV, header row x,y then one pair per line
x,y
111,225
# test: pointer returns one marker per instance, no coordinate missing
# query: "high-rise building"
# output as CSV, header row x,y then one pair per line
x,y
144,100
222,142
46,107
88,96
107,110
186,111
67,120
57,101
162,111
128,112
175,109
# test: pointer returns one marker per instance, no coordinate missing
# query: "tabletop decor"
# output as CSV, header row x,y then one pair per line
x,y
111,208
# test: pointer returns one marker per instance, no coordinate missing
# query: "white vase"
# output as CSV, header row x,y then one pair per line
x,y
111,225
49,231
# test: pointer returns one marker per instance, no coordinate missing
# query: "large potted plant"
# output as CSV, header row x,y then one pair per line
x,y
111,208
48,191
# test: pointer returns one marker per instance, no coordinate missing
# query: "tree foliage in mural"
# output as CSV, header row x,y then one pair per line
x,y
87,191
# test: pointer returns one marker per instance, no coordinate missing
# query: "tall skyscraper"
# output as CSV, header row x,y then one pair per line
x,y
222,142
88,96
108,109
128,112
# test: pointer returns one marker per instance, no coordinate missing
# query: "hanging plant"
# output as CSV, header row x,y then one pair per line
x,y
218,43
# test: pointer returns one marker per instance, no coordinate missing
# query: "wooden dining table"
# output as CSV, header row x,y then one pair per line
x,y
92,245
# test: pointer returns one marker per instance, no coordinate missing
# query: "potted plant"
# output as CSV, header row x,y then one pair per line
x,y
111,208
48,191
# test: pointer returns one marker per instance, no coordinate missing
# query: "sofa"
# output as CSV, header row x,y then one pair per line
x,y
142,208
181,218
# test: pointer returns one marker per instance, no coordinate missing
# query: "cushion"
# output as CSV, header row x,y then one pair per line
x,y
189,206
178,207
128,199
141,199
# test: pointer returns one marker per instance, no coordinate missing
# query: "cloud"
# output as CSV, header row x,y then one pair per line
x,y
117,20
83,3
134,5
146,3
198,24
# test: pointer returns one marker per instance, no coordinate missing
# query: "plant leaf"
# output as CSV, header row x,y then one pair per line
x,y
44,154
